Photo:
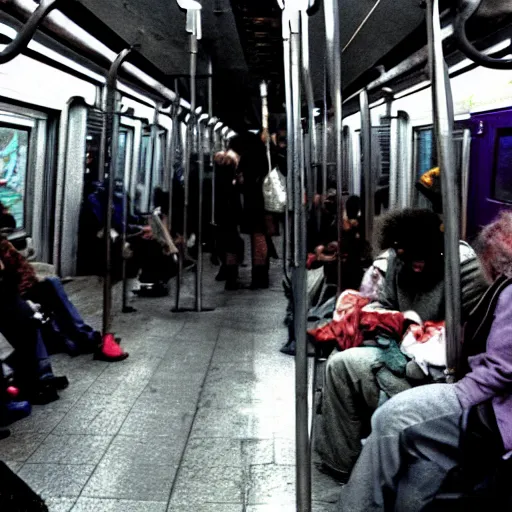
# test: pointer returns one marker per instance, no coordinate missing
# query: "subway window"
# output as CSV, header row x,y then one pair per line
x,y
121,154
502,186
425,151
14,144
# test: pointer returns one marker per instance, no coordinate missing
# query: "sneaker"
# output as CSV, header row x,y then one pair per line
x,y
110,350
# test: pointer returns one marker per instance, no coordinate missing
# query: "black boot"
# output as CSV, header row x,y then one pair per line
x,y
259,277
232,278
222,274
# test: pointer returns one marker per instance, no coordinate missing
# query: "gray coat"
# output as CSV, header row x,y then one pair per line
x,y
429,304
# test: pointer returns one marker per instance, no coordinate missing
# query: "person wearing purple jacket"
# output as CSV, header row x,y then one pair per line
x,y
415,436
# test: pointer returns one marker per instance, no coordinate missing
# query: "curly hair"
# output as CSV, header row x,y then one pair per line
x,y
414,230
494,246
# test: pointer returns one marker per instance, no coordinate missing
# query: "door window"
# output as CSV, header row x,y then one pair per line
x,y
502,186
425,151
13,171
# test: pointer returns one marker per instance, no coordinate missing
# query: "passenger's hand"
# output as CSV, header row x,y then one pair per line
x,y
319,249
327,258
147,232
227,158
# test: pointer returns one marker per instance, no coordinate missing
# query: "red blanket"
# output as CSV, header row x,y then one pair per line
x,y
425,332
353,322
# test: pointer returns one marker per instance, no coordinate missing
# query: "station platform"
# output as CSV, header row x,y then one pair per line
x,y
199,418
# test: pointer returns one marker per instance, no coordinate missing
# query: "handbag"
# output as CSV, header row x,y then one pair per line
x,y
274,192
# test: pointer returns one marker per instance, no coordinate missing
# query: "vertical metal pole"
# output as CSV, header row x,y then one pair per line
x,y
129,178
172,151
312,161
325,126
199,270
190,132
171,154
213,149
443,125
210,88
126,187
303,464
154,157
367,188
211,126
465,164
109,150
297,142
332,30
264,119
288,228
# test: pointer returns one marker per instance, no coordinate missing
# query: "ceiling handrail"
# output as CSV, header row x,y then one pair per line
x,y
465,10
24,36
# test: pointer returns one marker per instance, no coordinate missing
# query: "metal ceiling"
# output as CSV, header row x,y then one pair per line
x,y
243,39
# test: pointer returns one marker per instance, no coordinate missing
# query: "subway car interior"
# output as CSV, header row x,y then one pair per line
x,y
317,328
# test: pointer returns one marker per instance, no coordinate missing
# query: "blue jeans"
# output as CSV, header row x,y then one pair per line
x,y
30,359
54,300
413,446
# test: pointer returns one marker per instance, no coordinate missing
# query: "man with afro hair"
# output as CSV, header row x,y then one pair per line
x,y
414,282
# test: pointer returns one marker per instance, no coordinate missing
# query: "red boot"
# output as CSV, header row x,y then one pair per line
x,y
110,350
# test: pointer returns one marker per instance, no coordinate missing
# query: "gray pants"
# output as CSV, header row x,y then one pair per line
x,y
354,380
412,447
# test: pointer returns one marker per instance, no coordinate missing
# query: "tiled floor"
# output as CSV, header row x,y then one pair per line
x,y
199,418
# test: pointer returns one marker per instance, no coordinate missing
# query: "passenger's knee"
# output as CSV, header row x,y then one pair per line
x,y
384,419
336,365
355,361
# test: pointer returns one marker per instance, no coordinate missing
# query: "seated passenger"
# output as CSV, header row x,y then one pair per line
x,y
153,252
30,361
355,256
414,441
92,221
414,282
50,294
355,252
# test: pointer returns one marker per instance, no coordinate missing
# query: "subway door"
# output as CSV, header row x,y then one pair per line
x,y
27,155
490,182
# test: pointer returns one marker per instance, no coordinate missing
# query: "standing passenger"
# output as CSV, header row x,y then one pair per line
x,y
228,210
247,154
